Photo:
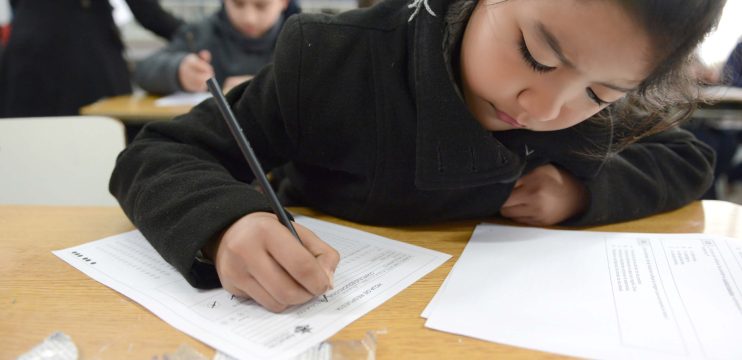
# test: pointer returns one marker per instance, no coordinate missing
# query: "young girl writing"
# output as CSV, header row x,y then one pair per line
x,y
438,110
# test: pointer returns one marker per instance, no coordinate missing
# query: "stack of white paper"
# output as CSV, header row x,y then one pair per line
x,y
372,269
597,295
182,99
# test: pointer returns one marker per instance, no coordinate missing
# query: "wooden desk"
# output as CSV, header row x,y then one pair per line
x,y
133,109
41,294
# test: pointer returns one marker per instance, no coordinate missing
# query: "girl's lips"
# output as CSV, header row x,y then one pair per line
x,y
507,118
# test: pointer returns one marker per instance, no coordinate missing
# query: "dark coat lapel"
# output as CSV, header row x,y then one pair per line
x,y
453,150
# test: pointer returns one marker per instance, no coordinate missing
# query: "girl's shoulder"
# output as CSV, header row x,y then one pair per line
x,y
385,15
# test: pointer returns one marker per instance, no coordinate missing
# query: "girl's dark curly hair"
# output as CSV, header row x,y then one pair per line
x,y
668,95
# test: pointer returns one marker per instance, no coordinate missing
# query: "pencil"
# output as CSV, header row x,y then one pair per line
x,y
252,160
191,42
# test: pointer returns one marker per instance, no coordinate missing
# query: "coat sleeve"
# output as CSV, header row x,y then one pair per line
x,y
158,73
183,182
154,18
656,174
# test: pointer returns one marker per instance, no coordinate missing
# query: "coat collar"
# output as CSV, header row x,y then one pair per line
x,y
454,151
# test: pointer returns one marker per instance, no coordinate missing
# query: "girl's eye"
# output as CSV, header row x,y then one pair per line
x,y
591,94
528,58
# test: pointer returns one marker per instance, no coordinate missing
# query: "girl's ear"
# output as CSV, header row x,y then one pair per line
x,y
284,4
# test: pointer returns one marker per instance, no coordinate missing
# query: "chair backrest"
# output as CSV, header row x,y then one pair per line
x,y
58,160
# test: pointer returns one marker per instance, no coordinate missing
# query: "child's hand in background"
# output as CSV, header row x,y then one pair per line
x,y
233,81
258,258
194,70
546,196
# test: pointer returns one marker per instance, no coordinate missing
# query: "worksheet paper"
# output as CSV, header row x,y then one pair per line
x,y
595,294
372,269
182,99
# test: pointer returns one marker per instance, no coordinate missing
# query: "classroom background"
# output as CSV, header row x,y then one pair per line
x,y
141,42
721,129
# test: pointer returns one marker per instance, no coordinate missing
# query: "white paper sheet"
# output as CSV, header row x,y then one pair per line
x,y
182,99
597,295
372,269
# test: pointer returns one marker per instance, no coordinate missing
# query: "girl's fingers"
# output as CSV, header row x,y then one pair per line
x,y
234,290
253,289
259,257
327,257
515,211
518,197
298,259
280,284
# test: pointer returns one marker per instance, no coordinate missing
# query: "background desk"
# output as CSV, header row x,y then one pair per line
x,y
135,109
724,110
41,294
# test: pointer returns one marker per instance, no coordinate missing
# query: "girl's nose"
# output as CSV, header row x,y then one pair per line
x,y
542,104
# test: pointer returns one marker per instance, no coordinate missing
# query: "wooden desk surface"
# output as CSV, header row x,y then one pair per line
x,y
41,294
133,109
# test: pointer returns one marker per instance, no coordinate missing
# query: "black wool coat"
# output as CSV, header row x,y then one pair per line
x,y
361,112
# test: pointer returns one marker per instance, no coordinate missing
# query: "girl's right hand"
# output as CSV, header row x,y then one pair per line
x,y
257,257
194,70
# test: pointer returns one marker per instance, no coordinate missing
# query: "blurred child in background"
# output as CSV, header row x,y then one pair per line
x,y
232,45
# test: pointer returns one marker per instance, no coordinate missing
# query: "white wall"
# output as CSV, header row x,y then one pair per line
x,y
719,44
4,12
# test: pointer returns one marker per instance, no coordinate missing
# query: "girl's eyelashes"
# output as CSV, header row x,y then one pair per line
x,y
541,68
594,97
530,61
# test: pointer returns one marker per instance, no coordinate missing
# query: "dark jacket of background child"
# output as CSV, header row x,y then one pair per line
x,y
732,71
232,53
63,54
362,109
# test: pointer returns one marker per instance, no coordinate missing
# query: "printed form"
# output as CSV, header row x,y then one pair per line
x,y
596,294
372,269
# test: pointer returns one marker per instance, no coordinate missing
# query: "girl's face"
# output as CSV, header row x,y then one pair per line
x,y
548,65
253,18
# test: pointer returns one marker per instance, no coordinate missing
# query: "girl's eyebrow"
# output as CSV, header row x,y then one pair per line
x,y
553,43
550,39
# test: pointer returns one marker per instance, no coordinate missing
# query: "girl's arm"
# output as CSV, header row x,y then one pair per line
x,y
658,173
183,182
185,185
